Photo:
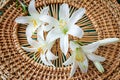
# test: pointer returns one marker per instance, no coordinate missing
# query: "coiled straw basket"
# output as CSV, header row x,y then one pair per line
x,y
101,20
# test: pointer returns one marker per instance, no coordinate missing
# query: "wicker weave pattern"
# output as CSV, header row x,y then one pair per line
x,y
15,64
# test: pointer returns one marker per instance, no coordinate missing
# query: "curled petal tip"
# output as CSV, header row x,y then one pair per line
x,y
99,67
108,41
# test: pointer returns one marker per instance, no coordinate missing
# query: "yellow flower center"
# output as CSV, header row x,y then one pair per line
x,y
40,50
63,26
79,55
34,22
62,23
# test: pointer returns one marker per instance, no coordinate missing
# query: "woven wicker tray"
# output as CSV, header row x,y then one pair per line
x,y
102,20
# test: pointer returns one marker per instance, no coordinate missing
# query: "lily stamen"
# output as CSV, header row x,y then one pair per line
x,y
62,23
34,22
79,55
40,50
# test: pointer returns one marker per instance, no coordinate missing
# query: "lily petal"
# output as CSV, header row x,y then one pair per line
x,y
23,19
48,27
29,30
48,19
50,45
64,12
94,57
76,16
74,67
29,49
53,35
31,8
76,31
90,47
51,63
44,60
64,44
83,66
33,43
45,10
68,61
50,55
99,66
73,45
108,41
40,34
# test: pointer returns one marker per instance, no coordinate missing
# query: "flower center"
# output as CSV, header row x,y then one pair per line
x,y
34,22
40,50
63,27
79,55
62,23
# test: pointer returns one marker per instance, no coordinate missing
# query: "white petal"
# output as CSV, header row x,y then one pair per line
x,y
64,12
94,57
90,47
31,8
48,19
40,33
40,40
48,27
68,61
51,63
74,67
33,42
99,66
23,19
53,35
50,45
73,45
76,31
108,41
45,10
50,55
40,36
86,64
83,66
45,61
64,44
30,30
29,49
77,15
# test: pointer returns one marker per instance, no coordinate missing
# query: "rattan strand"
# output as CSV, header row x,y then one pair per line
x,y
15,64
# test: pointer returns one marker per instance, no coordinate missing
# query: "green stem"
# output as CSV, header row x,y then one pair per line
x,y
81,43
17,3
24,7
78,42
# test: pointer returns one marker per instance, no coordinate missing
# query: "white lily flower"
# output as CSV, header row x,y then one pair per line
x,y
64,26
91,48
79,54
89,52
33,20
78,58
43,48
